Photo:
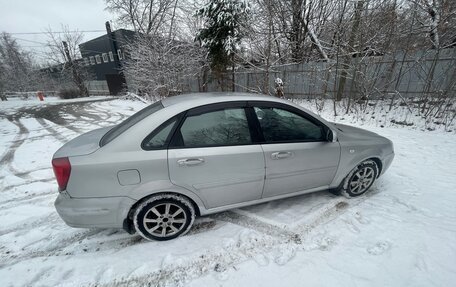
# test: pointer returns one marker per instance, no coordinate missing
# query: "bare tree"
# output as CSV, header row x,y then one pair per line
x,y
159,67
149,17
64,48
365,49
351,43
16,66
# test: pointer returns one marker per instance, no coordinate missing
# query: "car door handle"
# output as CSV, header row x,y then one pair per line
x,y
281,154
190,161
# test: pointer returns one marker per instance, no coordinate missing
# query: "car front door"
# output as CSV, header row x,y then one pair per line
x,y
213,155
297,155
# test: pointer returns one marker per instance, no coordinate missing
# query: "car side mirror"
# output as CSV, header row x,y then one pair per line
x,y
331,136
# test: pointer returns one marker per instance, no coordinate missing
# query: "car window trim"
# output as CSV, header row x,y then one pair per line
x,y
254,125
207,109
215,107
255,130
252,104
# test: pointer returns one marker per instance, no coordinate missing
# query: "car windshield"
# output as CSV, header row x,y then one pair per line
x,y
129,122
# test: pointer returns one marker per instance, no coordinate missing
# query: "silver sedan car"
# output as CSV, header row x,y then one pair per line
x,y
198,154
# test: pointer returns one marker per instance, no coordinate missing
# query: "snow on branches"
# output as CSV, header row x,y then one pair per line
x,y
224,22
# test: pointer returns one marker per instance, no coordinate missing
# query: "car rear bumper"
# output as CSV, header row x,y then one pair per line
x,y
106,212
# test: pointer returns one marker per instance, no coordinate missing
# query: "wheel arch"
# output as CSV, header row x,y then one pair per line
x,y
138,202
375,159
379,164
338,181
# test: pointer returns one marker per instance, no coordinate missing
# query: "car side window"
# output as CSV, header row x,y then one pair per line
x,y
215,128
158,138
280,125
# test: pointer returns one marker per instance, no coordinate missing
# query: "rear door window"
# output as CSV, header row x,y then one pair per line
x,y
214,128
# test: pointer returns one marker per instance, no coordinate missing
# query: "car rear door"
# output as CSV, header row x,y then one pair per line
x,y
297,155
213,155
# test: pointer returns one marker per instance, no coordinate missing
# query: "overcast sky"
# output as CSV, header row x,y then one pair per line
x,y
22,16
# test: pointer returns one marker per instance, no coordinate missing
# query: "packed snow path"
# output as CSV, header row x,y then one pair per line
x,y
403,233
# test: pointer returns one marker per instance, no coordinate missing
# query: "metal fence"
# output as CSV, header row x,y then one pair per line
x,y
407,74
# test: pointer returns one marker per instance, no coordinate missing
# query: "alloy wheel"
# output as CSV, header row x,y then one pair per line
x,y
165,219
362,180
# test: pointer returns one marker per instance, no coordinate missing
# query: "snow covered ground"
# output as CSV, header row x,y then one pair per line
x,y
402,233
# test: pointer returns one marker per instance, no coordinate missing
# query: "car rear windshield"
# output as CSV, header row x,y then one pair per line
x,y
129,122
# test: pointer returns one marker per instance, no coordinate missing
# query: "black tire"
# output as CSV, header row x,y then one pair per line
x,y
154,220
360,179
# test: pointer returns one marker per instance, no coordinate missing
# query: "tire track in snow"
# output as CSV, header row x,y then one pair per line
x,y
255,224
30,224
268,237
86,247
92,247
106,116
200,265
53,132
94,112
244,219
57,248
25,174
53,113
9,187
8,157
78,111
19,139
63,243
32,198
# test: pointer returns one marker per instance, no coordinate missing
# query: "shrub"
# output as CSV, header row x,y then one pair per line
x,y
69,93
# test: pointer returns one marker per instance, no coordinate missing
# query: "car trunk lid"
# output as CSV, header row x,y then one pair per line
x,y
82,145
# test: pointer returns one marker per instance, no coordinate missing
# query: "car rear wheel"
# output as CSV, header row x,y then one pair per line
x,y
164,217
360,179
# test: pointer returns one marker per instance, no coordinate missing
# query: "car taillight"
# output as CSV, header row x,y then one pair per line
x,y
62,170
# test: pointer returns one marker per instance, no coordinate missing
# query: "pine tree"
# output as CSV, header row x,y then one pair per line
x,y
223,31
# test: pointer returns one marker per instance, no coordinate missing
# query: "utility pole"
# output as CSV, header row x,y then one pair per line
x,y
119,82
113,45
76,76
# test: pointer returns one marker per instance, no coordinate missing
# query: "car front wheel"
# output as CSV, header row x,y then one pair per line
x,y
164,217
360,179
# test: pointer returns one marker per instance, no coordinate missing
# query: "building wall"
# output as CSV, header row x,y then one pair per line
x,y
104,57
99,49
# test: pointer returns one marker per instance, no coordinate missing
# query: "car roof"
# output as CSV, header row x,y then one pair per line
x,y
218,97
187,101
